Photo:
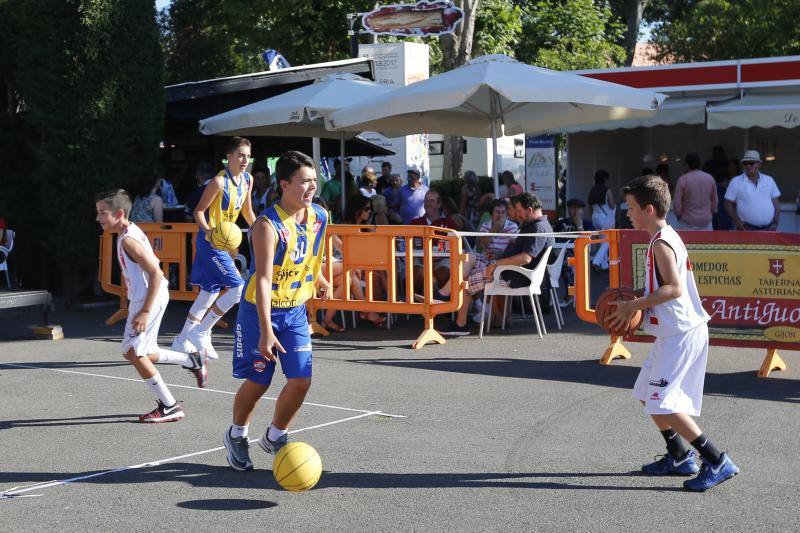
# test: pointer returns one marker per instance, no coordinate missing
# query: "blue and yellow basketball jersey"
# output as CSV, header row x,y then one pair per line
x,y
299,252
227,204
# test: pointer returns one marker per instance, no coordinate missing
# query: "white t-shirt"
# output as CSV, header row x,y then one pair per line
x,y
753,201
367,192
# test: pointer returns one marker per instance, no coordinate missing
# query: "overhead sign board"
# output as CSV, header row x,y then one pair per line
x,y
413,20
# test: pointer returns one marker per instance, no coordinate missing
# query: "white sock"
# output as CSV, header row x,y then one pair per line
x,y
170,357
274,433
239,431
159,388
209,320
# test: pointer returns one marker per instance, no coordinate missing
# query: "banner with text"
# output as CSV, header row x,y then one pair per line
x,y
540,169
749,283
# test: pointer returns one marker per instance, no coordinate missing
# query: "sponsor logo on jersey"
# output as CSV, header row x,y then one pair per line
x,y
238,347
286,273
660,383
284,303
259,365
317,226
304,348
284,234
655,396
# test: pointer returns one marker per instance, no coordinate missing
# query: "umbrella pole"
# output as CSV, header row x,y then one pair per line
x,y
316,155
496,177
341,172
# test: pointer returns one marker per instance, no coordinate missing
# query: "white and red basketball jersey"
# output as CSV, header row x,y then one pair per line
x,y
135,276
683,313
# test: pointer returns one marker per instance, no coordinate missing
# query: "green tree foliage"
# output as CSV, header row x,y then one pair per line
x,y
498,28
693,30
569,35
204,39
84,112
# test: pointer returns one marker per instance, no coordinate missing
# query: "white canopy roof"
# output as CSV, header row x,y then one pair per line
x,y
781,110
673,111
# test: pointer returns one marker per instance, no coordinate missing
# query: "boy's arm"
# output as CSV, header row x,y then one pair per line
x,y
211,190
150,265
263,242
670,288
247,207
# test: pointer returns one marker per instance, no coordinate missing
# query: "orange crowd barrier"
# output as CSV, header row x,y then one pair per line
x,y
391,251
174,246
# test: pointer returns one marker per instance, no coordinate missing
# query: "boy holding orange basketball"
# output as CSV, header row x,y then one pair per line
x,y
670,384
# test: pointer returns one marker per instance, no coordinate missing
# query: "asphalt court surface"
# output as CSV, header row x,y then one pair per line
x,y
505,433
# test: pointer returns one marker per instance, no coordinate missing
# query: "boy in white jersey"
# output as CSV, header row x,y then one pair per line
x,y
148,295
670,384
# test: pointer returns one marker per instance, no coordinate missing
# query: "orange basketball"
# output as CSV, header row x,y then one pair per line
x,y
603,309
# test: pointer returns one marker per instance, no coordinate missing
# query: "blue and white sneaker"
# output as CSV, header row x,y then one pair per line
x,y
669,466
272,446
711,475
238,452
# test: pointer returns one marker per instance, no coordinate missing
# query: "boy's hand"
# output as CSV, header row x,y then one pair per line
x,y
622,314
325,289
269,346
139,322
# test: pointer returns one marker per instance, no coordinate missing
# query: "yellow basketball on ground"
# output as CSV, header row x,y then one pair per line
x,y
226,236
297,467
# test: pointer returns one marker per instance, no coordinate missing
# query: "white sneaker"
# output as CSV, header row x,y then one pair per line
x,y
180,344
202,341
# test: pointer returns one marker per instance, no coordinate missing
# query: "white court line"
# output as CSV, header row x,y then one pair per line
x,y
17,492
17,365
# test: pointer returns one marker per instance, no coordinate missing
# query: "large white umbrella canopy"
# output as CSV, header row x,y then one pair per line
x,y
494,94
297,113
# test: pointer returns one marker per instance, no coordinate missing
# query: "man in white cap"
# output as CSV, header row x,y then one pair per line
x,y
752,197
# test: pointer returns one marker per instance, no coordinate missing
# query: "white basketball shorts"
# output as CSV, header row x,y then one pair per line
x,y
673,374
146,342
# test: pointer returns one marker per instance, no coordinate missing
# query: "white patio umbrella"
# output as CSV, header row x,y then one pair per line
x,y
298,113
494,94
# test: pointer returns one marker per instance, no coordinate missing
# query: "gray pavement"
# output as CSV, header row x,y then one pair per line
x,y
505,433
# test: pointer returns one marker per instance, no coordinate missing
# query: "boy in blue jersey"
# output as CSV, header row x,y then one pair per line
x,y
224,197
287,243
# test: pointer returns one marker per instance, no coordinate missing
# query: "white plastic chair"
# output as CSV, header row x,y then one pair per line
x,y
5,251
554,273
495,288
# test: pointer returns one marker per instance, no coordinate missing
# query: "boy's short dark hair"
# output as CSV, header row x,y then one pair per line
x,y
662,167
650,190
116,199
527,200
289,162
498,202
232,144
386,164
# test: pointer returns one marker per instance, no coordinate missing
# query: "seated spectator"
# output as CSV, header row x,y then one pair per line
x,y
411,197
264,194
390,192
147,204
432,216
499,223
381,215
485,208
509,186
450,211
574,220
368,183
470,196
522,251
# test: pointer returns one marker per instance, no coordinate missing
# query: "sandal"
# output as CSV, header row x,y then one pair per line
x,y
378,322
333,326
